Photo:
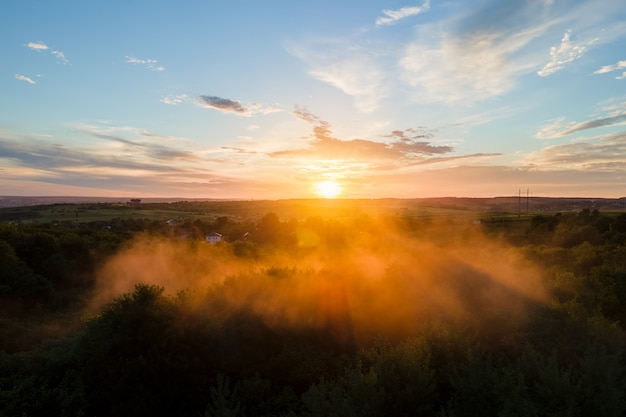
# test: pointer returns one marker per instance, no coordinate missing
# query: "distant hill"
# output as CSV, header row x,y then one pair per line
x,y
19,201
303,208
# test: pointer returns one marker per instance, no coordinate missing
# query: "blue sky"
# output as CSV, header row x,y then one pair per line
x,y
250,99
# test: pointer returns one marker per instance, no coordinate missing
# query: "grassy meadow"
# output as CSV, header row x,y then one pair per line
x,y
252,210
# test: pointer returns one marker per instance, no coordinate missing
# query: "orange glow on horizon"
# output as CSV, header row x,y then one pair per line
x,y
328,189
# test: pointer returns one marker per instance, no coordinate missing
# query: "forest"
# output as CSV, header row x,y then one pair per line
x,y
364,315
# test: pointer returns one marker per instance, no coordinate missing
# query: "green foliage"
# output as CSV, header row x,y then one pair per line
x,y
215,351
384,380
245,249
40,384
533,384
21,289
134,358
485,387
223,402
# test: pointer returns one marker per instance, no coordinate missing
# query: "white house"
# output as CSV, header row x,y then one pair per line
x,y
213,238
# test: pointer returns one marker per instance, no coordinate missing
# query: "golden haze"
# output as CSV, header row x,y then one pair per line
x,y
372,278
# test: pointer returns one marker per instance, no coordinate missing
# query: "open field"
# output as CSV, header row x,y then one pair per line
x,y
50,210
88,213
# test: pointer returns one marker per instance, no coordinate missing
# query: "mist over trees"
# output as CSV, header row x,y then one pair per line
x,y
361,316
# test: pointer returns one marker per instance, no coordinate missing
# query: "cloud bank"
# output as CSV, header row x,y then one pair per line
x,y
407,145
480,54
602,153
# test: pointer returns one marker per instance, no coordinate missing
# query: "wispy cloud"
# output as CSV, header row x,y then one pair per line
x,y
592,124
60,56
554,129
238,150
139,144
173,100
127,159
393,16
606,152
491,181
483,53
40,46
150,64
222,104
356,70
66,167
37,46
479,55
560,128
358,76
566,52
465,69
226,105
24,78
615,67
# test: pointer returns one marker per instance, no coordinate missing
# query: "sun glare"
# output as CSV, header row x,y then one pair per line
x,y
328,189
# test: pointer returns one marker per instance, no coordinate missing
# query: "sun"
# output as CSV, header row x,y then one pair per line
x,y
328,189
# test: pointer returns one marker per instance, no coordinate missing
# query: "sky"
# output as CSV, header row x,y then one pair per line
x,y
269,99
